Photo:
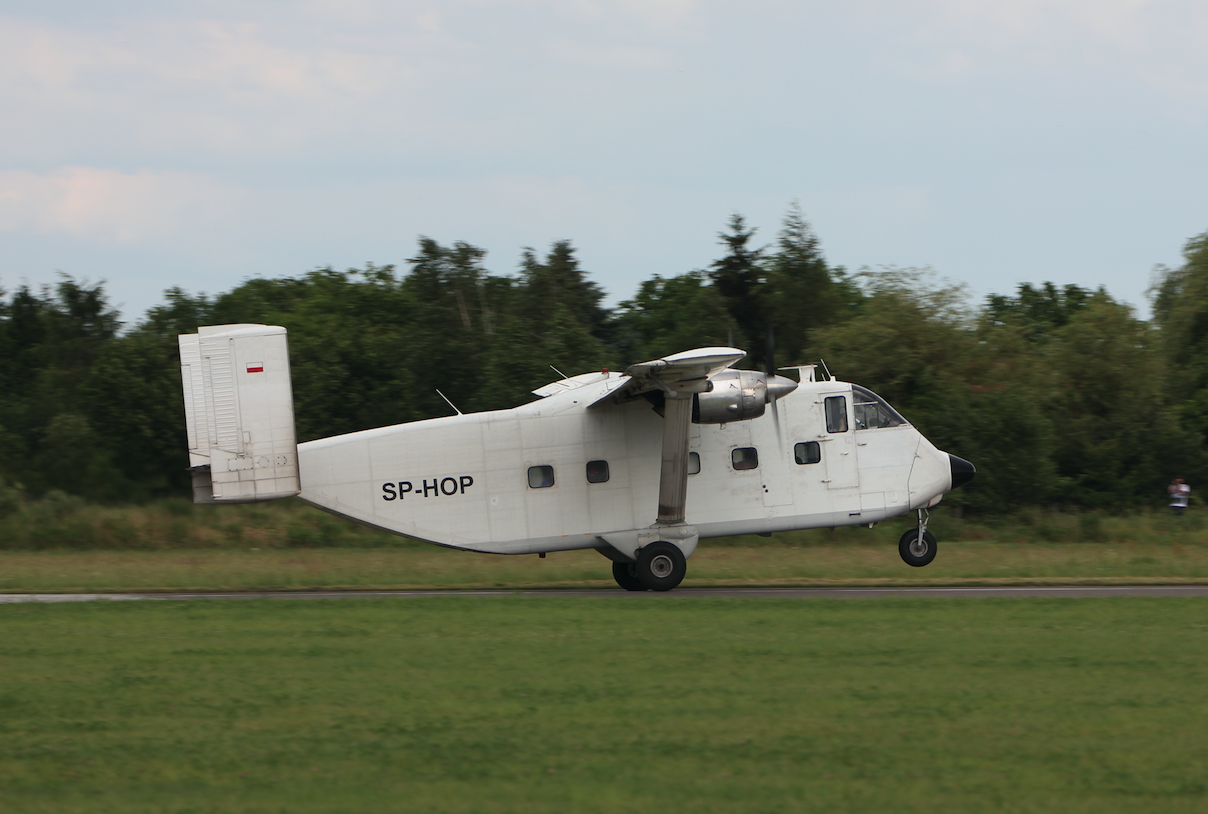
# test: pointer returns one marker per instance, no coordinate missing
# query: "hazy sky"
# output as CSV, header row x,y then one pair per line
x,y
153,144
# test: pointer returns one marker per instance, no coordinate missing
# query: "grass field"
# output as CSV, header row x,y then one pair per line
x,y
471,704
60,543
61,522
872,561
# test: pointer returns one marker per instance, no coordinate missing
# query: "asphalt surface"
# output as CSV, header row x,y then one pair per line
x,y
1064,592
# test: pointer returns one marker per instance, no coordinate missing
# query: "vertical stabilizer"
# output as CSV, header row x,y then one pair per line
x,y
239,409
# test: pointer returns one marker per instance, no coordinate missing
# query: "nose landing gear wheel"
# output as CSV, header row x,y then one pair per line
x,y
917,551
661,566
622,572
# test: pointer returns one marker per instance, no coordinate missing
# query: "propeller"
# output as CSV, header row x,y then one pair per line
x,y
770,369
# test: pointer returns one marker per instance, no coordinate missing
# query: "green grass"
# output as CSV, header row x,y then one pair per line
x,y
756,561
639,704
59,521
62,544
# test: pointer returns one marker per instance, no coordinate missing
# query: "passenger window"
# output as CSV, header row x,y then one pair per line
x,y
597,471
693,463
808,453
836,414
745,458
872,411
541,477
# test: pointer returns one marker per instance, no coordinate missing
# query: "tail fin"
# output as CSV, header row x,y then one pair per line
x,y
239,408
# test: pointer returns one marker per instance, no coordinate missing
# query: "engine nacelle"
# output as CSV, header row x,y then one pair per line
x,y
738,395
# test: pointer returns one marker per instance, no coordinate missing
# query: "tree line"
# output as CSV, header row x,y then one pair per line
x,y
1060,395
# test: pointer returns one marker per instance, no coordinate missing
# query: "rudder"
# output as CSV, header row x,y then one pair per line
x,y
239,410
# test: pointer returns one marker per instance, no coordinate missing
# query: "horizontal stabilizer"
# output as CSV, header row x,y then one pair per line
x,y
239,411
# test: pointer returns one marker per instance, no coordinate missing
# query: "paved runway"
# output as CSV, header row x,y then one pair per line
x,y
1064,592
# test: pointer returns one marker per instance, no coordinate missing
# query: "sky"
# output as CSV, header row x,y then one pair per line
x,y
199,144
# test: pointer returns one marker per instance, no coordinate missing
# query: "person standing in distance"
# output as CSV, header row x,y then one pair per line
x,y
1179,496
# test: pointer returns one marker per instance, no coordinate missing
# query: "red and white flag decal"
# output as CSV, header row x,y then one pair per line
x,y
255,367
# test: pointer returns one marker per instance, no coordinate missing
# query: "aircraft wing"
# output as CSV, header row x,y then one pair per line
x,y
680,373
679,376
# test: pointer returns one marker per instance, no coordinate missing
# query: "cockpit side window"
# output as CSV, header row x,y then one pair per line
x,y
836,414
872,411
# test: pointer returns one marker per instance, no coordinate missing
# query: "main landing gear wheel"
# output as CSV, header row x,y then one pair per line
x,y
917,551
623,573
661,566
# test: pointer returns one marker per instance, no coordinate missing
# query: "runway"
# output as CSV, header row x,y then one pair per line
x,y
1020,592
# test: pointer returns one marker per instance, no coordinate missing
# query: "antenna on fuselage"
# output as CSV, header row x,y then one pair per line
x,y
559,372
829,375
451,404
805,373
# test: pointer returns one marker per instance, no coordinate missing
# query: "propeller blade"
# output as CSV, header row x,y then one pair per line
x,y
776,420
769,365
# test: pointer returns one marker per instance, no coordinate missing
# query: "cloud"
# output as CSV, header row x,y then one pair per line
x,y
170,86
110,207
1162,44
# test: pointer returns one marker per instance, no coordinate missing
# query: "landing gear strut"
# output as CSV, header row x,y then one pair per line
x,y
917,545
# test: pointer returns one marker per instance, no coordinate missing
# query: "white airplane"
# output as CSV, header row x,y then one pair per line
x,y
639,466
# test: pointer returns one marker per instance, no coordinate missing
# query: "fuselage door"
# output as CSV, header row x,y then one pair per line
x,y
838,441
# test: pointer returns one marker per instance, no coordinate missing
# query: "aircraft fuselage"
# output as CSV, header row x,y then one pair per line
x,y
559,474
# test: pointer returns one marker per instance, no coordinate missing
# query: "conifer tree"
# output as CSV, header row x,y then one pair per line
x,y
738,278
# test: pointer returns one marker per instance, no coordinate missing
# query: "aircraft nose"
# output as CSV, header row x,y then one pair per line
x,y
779,387
962,471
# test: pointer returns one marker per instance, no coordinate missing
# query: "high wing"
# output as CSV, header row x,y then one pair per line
x,y
679,377
685,373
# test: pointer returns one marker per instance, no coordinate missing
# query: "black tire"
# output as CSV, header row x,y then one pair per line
x,y
622,572
661,566
915,552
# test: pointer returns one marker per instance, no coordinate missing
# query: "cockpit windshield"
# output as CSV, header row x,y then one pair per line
x,y
872,411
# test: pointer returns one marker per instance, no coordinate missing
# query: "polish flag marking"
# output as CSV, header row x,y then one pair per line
x,y
255,367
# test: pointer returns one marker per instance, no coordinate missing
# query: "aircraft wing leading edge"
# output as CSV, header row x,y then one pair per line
x,y
686,372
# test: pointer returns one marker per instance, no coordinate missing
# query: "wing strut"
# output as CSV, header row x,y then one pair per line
x,y
673,476
679,377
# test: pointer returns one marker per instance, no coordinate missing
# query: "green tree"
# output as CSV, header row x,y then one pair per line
x,y
1116,441
738,277
999,417
1038,311
917,343
51,339
552,316
801,292
556,282
135,412
669,315
352,345
1180,311
910,341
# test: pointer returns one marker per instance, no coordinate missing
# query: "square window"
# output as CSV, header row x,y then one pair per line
x,y
745,458
693,463
808,453
541,477
597,471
